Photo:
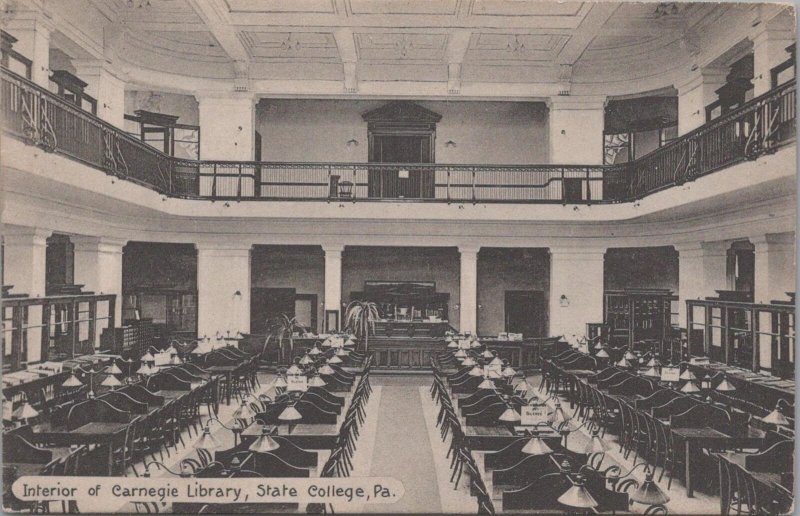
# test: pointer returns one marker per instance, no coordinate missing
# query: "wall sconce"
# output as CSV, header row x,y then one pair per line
x,y
238,293
352,142
563,300
450,144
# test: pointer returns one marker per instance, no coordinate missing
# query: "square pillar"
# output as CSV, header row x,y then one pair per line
x,y
770,39
576,130
702,270
32,30
228,127
98,266
333,279
774,266
715,267
694,94
468,289
576,290
25,267
223,289
106,86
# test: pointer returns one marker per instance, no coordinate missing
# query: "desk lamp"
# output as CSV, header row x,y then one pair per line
x,y
290,414
265,442
25,411
460,354
510,415
578,496
523,386
536,446
487,354
468,362
687,374
316,381
314,351
629,355
476,370
776,417
72,381
508,372
690,387
596,444
602,353
648,492
486,383
306,360
326,368
335,358
185,471
243,411
725,385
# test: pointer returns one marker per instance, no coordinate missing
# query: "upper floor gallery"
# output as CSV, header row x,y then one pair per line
x,y
487,102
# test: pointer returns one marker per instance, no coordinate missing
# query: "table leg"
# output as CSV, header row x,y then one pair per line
x,y
111,458
689,487
228,390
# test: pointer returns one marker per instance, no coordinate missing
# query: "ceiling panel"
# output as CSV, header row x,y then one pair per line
x,y
515,47
400,46
282,6
525,8
290,45
404,6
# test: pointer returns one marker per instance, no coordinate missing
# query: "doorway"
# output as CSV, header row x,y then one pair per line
x,y
401,182
525,312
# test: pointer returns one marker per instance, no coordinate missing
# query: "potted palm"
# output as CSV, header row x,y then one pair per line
x,y
360,317
279,328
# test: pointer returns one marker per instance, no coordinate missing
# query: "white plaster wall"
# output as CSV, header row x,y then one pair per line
x,y
484,132
183,106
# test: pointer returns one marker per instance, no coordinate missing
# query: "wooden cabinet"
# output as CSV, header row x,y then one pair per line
x,y
633,316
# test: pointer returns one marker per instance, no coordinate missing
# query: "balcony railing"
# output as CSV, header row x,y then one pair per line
x,y
40,118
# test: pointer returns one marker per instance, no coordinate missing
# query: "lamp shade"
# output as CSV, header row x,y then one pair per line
x,y
145,369
690,387
170,350
469,361
314,351
306,360
602,353
207,441
522,386
493,374
598,346
280,382
25,411
536,446
578,496
725,386
326,369
629,355
111,381
776,417
72,381
243,411
341,352
264,443
460,354
508,372
595,444
294,370
496,361
487,354
648,492
114,369
176,360
623,362
476,371
652,372
687,375
486,384
335,359
451,343
654,362
316,381
510,415
147,357
290,414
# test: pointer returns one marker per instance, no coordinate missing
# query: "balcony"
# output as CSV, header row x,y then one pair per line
x,y
40,118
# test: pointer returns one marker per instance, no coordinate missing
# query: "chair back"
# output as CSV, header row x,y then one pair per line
x,y
95,411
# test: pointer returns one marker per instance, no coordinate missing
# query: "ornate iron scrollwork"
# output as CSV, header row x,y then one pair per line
x,y
37,128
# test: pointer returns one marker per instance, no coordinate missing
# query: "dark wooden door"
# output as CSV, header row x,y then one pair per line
x,y
401,182
525,312
267,303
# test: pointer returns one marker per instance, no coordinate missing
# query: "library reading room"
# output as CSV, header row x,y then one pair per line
x,y
398,256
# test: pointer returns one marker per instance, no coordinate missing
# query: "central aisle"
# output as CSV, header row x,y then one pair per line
x,y
402,449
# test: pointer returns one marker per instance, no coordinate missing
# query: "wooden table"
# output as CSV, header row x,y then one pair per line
x,y
494,438
90,433
694,439
227,371
773,482
304,435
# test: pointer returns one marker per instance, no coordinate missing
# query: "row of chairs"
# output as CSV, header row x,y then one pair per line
x,y
460,455
340,461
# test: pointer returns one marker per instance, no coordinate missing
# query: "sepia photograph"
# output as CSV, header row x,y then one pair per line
x,y
398,256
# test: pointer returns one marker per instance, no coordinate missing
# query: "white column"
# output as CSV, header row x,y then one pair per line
x,y
227,125
715,267
223,288
24,258
576,290
333,279
774,266
98,266
691,273
576,130
24,267
770,39
105,85
32,30
468,288
694,94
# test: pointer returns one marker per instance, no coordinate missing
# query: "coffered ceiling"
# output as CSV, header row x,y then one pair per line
x,y
548,46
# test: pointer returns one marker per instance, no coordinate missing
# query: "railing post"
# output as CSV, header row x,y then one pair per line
x,y
588,186
474,179
355,185
239,185
448,185
214,183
